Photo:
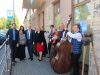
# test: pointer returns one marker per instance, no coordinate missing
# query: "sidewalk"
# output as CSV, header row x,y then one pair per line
x,y
28,67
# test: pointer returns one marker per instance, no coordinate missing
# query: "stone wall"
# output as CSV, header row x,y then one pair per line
x,y
65,10
96,37
46,12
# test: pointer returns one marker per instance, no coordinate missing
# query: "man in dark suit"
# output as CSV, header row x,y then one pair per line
x,y
30,37
52,30
13,36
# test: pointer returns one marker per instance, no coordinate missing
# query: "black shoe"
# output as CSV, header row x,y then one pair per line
x,y
48,56
31,59
22,59
13,63
40,59
44,55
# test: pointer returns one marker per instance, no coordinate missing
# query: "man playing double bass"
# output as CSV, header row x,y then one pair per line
x,y
76,42
63,38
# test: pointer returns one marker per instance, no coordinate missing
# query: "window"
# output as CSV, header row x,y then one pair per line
x,y
57,18
78,1
81,15
57,9
82,12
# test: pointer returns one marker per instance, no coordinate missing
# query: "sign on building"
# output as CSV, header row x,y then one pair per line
x,y
10,14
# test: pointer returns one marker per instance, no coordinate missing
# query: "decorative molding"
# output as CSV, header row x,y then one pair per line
x,y
55,1
81,3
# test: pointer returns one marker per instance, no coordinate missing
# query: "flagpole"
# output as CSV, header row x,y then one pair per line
x,y
13,12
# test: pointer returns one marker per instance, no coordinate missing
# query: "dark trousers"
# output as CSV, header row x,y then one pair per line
x,y
45,49
13,47
75,61
49,47
30,50
21,52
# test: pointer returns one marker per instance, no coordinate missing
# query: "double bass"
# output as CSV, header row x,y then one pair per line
x,y
61,61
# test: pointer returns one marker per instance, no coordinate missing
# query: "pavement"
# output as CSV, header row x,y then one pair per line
x,y
35,67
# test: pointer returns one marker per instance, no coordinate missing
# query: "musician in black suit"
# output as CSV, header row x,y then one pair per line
x,y
63,35
52,30
13,36
30,38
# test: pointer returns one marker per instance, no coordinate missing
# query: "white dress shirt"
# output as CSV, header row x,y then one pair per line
x,y
63,36
77,36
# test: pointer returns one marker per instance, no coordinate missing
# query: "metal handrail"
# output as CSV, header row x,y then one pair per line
x,y
4,59
1,49
3,44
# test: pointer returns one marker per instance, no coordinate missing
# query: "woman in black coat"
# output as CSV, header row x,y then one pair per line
x,y
40,43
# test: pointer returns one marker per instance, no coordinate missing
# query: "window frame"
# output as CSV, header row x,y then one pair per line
x,y
55,14
77,5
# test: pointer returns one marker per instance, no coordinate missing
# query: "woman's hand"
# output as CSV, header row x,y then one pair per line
x,y
42,43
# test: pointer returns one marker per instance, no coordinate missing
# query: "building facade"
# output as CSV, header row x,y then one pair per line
x,y
56,12
51,12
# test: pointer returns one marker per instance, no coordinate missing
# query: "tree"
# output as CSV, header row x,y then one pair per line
x,y
6,23
2,23
17,21
10,21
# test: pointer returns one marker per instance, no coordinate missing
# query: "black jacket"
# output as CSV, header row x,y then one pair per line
x,y
10,34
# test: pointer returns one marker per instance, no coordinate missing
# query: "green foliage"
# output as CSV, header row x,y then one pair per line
x,y
17,22
6,23
57,21
2,23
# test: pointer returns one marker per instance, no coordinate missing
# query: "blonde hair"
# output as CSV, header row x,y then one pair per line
x,y
38,28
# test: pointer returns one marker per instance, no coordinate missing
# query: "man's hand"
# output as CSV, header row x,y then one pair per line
x,y
33,43
17,45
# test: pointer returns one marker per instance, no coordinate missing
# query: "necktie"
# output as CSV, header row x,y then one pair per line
x,y
14,34
28,34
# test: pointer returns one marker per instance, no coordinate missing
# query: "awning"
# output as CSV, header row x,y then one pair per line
x,y
55,1
36,4
26,4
